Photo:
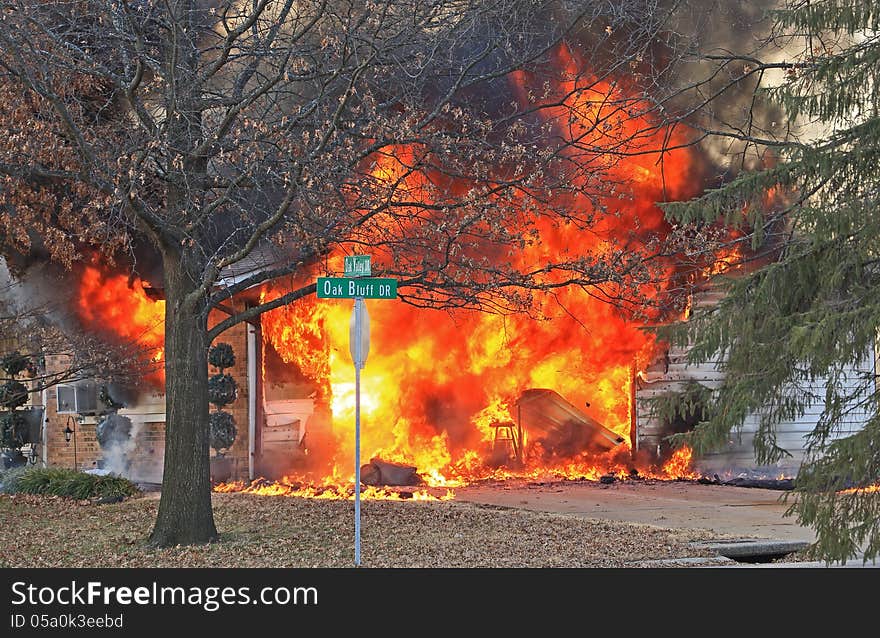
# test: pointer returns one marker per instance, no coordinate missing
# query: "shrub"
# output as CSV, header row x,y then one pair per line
x,y
222,389
223,430
58,481
221,356
109,486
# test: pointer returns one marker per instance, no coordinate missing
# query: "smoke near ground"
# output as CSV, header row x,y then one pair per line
x,y
116,435
127,448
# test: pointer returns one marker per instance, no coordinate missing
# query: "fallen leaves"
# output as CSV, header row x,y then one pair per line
x,y
267,531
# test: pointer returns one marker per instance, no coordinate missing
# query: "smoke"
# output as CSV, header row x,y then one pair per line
x,y
717,83
37,296
126,448
125,440
116,436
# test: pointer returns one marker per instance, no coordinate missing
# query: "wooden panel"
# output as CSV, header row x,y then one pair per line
x,y
285,432
740,453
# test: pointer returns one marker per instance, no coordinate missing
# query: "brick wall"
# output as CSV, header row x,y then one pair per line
x,y
237,338
146,458
84,452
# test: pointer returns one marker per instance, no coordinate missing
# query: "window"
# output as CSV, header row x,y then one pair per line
x,y
77,398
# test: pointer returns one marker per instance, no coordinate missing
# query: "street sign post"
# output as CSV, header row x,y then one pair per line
x,y
358,285
359,346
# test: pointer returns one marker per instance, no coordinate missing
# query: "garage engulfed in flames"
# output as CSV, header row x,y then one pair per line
x,y
443,391
446,392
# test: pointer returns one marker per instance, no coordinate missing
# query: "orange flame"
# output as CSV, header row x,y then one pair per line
x,y
329,492
680,464
726,258
868,489
111,304
435,385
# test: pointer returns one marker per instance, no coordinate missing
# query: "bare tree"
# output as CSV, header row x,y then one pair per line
x,y
279,133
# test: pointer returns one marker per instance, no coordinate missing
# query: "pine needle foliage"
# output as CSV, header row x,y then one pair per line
x,y
807,319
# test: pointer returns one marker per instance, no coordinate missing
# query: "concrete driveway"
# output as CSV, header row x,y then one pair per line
x,y
737,511
745,514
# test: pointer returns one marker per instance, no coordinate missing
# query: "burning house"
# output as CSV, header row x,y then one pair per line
x,y
456,398
459,395
453,397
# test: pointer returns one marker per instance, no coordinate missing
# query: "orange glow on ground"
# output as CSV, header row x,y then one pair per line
x,y
869,489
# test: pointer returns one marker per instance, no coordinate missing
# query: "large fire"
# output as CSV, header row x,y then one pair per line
x,y
436,385
139,320
439,386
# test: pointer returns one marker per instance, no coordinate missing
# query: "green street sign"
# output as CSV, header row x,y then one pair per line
x,y
356,266
367,288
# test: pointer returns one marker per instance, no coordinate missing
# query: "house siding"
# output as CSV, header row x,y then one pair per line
x,y
670,374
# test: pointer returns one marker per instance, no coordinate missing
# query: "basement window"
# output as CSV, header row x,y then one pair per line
x,y
77,398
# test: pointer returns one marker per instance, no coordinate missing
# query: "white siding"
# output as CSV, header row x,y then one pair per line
x,y
738,456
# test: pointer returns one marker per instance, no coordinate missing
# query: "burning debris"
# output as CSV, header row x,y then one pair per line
x,y
560,429
382,473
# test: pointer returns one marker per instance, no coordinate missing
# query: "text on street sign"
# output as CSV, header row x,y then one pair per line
x,y
368,288
357,266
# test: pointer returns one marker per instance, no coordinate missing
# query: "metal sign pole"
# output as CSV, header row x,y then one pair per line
x,y
358,319
357,466
357,284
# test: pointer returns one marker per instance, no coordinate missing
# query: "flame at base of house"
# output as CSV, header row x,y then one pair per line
x,y
288,486
618,465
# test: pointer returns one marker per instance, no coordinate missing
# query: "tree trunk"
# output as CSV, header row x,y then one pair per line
x,y
185,516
